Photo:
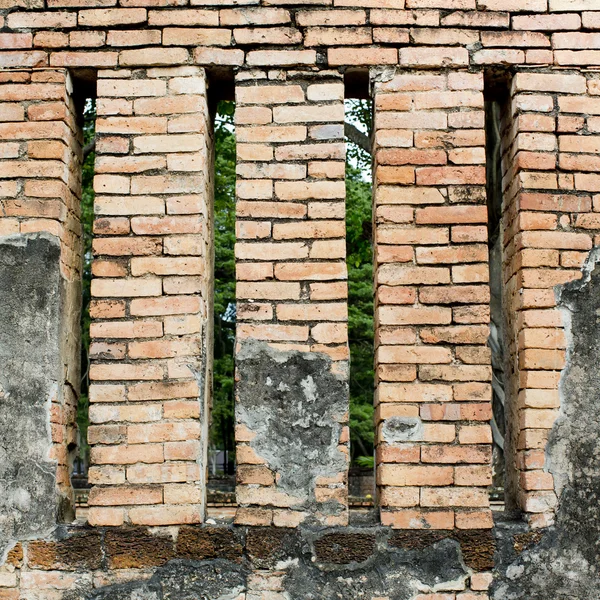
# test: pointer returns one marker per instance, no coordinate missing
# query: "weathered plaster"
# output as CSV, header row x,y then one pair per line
x,y
565,564
30,378
295,404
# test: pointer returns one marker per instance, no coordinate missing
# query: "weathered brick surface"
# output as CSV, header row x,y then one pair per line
x,y
431,266
549,161
152,269
415,33
40,191
291,238
151,253
116,560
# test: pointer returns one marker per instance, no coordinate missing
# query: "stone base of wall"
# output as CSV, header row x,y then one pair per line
x,y
251,563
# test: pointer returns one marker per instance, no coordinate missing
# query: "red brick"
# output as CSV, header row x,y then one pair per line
x,y
408,475
415,519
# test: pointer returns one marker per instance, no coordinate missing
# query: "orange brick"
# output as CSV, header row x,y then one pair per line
x,y
410,475
473,475
455,496
394,315
363,56
399,497
146,453
164,515
396,295
125,495
415,519
396,453
474,434
452,214
474,520
456,454
413,354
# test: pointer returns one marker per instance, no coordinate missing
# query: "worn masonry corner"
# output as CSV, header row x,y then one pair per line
x,y
564,560
31,289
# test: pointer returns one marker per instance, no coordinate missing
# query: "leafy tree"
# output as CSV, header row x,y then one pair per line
x,y
360,311
222,413
87,220
360,284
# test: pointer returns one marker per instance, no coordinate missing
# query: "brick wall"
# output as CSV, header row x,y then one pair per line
x,y
40,190
337,33
291,274
432,301
549,228
151,309
157,66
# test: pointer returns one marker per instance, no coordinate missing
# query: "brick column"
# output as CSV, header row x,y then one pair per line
x,y
152,288
551,222
432,301
40,297
292,352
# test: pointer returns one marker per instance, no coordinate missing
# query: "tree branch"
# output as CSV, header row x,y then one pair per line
x,y
89,148
357,137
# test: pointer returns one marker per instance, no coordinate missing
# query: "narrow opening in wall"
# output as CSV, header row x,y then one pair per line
x,y
221,454
81,459
496,96
359,252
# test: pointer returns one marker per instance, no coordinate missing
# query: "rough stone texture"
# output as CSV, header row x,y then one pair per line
x,y
294,405
40,190
194,543
564,562
269,546
77,550
134,548
478,546
344,548
302,563
181,580
31,376
397,575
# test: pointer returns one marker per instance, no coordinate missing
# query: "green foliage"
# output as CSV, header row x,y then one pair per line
x,y
222,414
360,290
360,114
87,221
367,462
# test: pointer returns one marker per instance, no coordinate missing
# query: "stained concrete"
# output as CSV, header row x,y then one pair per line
x,y
30,376
295,404
180,580
563,562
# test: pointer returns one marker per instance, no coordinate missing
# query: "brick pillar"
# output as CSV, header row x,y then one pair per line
x,y
292,352
151,289
551,222
40,297
432,301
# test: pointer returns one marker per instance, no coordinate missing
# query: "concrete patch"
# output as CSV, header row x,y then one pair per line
x,y
30,377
